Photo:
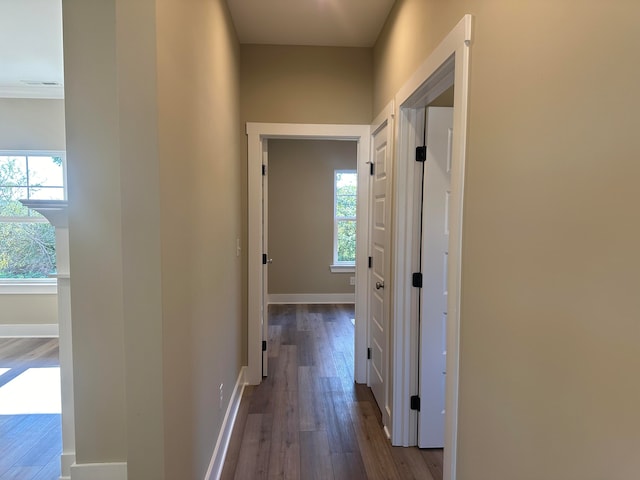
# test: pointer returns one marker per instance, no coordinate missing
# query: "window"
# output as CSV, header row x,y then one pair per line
x,y
27,240
344,215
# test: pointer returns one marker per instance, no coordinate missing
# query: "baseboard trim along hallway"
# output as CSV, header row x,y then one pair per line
x,y
220,451
311,298
29,330
99,471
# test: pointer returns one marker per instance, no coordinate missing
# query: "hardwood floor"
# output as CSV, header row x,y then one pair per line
x,y
30,445
308,419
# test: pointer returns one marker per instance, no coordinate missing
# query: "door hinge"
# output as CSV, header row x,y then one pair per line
x,y
264,258
368,353
370,262
421,154
264,345
415,402
264,170
372,168
416,280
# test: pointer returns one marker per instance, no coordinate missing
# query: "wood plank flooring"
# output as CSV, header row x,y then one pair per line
x,y
308,419
30,445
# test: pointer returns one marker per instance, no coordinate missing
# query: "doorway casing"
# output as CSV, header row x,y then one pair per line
x,y
447,65
258,134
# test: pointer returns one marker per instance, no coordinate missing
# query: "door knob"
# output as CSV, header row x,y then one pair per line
x,y
270,260
379,285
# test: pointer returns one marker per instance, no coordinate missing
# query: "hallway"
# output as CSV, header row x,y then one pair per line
x,y
308,419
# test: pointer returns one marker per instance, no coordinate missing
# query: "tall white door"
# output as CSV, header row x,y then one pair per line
x,y
433,296
379,288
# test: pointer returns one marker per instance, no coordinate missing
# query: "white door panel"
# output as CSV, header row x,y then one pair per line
x,y
433,296
378,277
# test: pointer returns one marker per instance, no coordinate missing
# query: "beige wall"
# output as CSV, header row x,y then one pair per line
x,y
296,84
549,317
301,174
18,309
198,92
154,187
95,226
30,124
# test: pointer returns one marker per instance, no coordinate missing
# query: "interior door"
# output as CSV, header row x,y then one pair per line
x,y
379,287
264,314
433,301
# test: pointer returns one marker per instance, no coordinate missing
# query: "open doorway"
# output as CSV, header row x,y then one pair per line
x,y
447,66
309,235
311,218
258,142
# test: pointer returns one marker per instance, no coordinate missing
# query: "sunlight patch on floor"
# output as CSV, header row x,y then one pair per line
x,y
37,390
3,370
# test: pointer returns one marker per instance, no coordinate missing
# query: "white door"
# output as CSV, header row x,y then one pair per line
x,y
264,313
379,287
433,296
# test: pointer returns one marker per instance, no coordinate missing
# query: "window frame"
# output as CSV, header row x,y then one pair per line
x,y
13,286
338,266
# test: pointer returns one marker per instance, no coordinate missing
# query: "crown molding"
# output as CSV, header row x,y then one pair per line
x,y
32,91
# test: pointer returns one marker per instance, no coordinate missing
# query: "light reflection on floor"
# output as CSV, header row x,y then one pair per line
x,y
37,390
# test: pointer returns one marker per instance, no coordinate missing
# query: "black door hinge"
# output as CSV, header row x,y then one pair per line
x,y
415,402
264,345
421,154
371,168
264,169
264,258
368,353
416,280
370,262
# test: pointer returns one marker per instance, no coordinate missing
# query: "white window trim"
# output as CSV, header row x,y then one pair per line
x,y
338,266
32,286
343,268
28,286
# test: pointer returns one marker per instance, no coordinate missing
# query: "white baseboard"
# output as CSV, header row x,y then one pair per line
x,y
220,451
66,461
99,471
30,330
311,298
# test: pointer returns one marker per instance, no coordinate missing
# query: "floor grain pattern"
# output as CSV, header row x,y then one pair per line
x,y
30,445
308,419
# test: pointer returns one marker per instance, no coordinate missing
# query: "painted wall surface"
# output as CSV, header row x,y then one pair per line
x,y
299,84
28,309
549,315
156,315
200,179
95,229
30,124
301,188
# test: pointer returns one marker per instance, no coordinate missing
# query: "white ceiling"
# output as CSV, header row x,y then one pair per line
x,y
31,34
31,48
343,23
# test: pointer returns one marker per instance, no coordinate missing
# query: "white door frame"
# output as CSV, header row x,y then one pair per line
x,y
258,134
448,64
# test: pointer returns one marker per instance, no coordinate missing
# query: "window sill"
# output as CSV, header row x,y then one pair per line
x,y
48,287
342,268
